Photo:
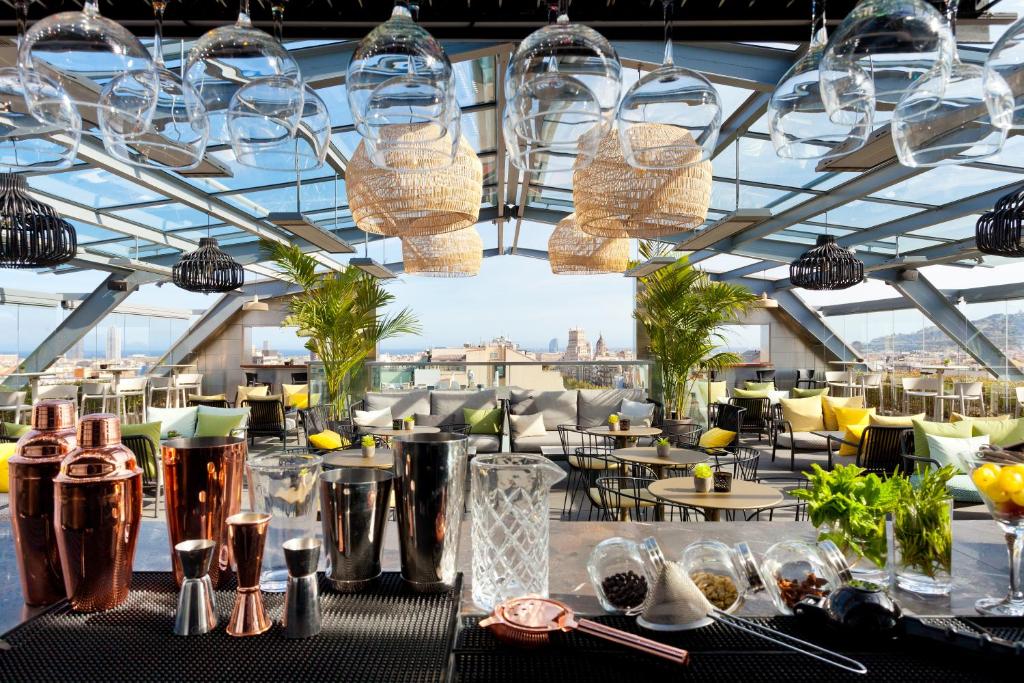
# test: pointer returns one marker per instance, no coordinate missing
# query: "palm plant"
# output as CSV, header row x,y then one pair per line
x,y
682,310
339,313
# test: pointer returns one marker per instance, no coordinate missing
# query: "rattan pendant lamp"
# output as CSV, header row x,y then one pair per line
x,y
572,251
614,199
32,234
402,204
826,266
452,254
208,269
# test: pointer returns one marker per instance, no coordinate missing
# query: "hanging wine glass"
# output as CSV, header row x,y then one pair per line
x,y
669,98
562,86
798,121
78,51
401,92
227,58
951,115
25,143
1005,65
177,134
894,42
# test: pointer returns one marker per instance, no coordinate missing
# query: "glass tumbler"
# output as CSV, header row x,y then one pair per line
x,y
286,487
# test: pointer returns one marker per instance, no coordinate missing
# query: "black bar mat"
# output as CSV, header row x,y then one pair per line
x,y
720,653
388,633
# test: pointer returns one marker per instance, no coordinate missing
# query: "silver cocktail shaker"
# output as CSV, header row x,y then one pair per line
x,y
430,480
354,511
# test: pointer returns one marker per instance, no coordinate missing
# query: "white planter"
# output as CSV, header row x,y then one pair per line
x,y
368,451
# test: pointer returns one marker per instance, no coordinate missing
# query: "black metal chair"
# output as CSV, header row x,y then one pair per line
x,y
145,454
786,483
758,416
252,379
805,377
743,462
586,464
196,400
730,417
625,497
4,437
686,436
300,378
267,417
881,450
765,375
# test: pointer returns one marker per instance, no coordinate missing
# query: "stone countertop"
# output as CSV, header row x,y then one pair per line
x,y
980,564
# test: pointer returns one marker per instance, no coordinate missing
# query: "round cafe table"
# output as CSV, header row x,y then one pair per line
x,y
382,459
387,433
621,436
745,495
677,457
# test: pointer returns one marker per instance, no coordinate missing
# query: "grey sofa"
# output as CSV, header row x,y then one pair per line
x,y
438,409
581,407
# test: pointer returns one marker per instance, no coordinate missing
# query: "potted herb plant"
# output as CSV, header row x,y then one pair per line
x,y
368,446
662,447
613,423
849,508
409,422
702,478
923,532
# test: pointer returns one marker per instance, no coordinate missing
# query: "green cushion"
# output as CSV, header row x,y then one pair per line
x,y
213,424
760,386
751,393
956,430
152,430
1000,432
483,420
14,430
807,393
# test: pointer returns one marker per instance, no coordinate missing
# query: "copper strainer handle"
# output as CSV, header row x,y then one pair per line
x,y
651,647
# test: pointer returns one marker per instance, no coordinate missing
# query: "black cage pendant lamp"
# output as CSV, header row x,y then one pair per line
x,y
826,266
32,234
1000,232
208,269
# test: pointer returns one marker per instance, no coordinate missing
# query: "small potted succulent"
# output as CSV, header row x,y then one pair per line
x,y
702,478
613,423
662,447
410,422
368,445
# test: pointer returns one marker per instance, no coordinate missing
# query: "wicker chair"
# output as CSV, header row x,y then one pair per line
x,y
145,454
881,449
267,418
4,437
758,416
197,400
686,436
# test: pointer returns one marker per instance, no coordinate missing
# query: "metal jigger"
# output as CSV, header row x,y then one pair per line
x,y
196,614
302,598
247,535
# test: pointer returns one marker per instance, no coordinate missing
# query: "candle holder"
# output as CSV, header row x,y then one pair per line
x,y
247,536
723,482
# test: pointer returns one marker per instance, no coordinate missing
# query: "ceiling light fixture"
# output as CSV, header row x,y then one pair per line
x,y
32,234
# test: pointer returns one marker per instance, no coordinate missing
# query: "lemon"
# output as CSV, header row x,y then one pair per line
x,y
1010,480
1018,498
996,494
984,476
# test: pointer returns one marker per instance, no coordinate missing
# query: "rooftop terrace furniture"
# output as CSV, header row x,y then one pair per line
x,y
964,393
924,388
588,455
685,436
219,401
730,418
163,386
300,378
765,375
758,416
881,450
12,405
625,498
809,440
67,392
805,379
145,453
267,417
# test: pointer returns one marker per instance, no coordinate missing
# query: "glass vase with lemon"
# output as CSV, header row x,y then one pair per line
x,y
999,476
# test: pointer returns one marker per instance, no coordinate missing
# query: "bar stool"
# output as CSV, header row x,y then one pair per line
x,y
186,384
840,381
922,387
805,377
962,393
161,385
872,381
95,391
130,387
765,376
14,402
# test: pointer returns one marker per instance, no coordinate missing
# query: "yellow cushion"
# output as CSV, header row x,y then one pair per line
x,y
751,393
717,390
716,438
294,393
804,414
852,422
328,440
895,420
246,392
6,451
302,401
830,403
1000,432
853,434
208,397
957,417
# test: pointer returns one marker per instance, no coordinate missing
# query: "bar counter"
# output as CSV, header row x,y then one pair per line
x,y
980,565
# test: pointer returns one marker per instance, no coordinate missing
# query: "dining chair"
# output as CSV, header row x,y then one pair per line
x,y
128,390
872,381
627,498
743,463
146,455
586,464
925,388
66,392
786,483
967,392
164,386
13,403
685,436
838,382
300,378
267,418
96,393
805,379
188,383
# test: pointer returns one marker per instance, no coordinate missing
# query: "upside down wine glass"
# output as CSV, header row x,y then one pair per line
x,y
999,476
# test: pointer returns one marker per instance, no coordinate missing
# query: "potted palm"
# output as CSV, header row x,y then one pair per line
x,y
340,314
683,310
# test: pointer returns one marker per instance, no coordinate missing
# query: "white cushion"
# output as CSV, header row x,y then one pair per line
x,y
373,418
774,396
949,450
527,425
180,420
290,425
635,410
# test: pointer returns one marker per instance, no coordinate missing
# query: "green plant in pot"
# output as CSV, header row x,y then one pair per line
x,y
368,446
682,311
849,508
923,532
339,313
662,447
613,422
702,478
409,422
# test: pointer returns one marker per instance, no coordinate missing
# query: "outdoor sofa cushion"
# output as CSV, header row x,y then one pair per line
x,y
808,441
557,407
533,444
449,405
594,406
401,403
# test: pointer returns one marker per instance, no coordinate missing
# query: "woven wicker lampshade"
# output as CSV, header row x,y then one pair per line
x,y
32,234
1000,232
397,204
452,254
208,269
570,250
826,266
614,199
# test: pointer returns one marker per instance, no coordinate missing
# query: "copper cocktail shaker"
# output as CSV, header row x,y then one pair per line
x,y
32,468
203,487
98,511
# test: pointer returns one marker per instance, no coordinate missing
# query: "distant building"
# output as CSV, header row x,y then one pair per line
x,y
578,347
600,348
114,343
553,345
